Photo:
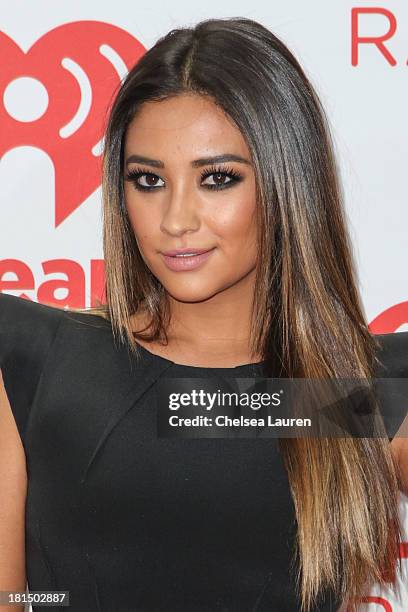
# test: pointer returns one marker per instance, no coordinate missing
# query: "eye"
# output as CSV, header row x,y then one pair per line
x,y
219,176
149,180
218,180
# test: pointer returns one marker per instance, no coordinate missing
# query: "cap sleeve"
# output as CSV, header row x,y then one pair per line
x,y
27,330
393,358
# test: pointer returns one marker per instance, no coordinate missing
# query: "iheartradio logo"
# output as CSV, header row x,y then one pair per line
x,y
69,75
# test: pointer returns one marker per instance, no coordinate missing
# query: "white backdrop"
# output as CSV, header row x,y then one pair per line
x,y
50,200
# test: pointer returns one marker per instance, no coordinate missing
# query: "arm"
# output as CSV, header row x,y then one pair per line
x,y
13,487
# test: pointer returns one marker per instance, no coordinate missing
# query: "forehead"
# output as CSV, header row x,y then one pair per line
x,y
188,122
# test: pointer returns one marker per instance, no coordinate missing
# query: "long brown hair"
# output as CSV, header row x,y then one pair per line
x,y
307,320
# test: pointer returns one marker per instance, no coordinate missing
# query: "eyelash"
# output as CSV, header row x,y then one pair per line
x,y
134,174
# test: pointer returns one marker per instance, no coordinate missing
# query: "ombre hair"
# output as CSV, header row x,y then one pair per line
x,y
307,318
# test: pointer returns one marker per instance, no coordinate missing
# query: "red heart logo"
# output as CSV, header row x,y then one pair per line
x,y
79,65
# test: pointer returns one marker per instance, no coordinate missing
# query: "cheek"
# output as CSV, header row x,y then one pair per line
x,y
143,224
235,224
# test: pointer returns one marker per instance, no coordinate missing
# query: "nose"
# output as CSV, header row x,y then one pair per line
x,y
180,212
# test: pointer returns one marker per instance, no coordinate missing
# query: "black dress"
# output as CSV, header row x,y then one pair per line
x,y
124,520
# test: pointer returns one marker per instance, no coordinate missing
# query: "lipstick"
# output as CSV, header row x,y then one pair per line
x,y
186,259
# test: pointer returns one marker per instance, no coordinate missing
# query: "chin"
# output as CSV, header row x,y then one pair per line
x,y
196,292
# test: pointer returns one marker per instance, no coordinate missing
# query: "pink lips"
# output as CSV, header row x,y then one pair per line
x,y
178,264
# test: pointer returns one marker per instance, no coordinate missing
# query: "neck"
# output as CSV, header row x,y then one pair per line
x,y
214,332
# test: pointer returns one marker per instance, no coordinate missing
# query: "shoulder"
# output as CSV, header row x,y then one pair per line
x,y
392,354
391,371
27,328
23,319
28,331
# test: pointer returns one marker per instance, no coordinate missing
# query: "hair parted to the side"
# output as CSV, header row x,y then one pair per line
x,y
308,319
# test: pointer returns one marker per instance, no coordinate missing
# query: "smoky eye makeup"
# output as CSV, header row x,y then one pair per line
x,y
135,174
222,178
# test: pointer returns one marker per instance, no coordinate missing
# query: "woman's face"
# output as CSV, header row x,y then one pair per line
x,y
178,198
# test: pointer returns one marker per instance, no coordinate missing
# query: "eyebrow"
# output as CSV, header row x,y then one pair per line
x,y
196,163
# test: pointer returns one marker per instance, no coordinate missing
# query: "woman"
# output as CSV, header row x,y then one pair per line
x,y
217,143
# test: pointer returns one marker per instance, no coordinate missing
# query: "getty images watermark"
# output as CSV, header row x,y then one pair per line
x,y
220,407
